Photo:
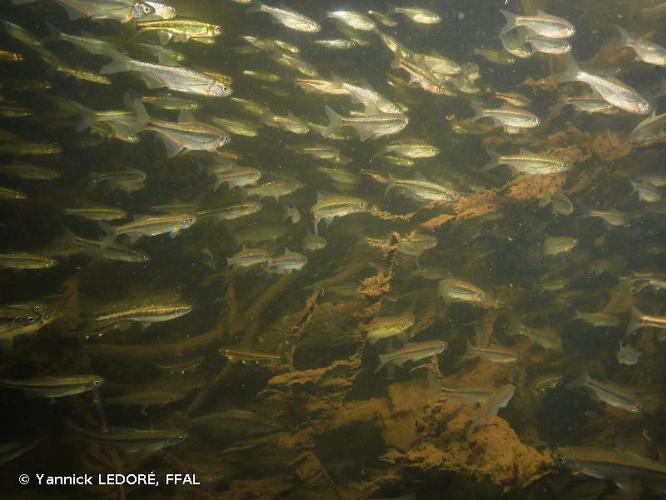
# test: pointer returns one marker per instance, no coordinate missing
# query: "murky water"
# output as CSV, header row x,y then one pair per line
x,y
332,253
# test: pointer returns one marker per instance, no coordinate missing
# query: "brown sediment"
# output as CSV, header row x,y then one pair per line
x,y
68,305
389,216
342,273
610,146
380,284
534,187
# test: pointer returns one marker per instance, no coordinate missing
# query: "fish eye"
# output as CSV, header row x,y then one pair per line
x,y
217,29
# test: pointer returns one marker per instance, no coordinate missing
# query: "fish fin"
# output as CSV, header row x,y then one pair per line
x,y
580,381
571,73
110,232
54,33
255,7
469,351
396,62
493,162
478,111
118,65
173,234
383,359
151,82
510,21
625,39
164,37
142,116
365,134
171,146
390,184
186,117
334,119
634,320
72,13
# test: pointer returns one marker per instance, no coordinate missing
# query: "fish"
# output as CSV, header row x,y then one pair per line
x,y
26,260
416,244
411,149
369,126
235,176
546,382
543,24
489,407
493,353
650,131
597,319
547,338
24,319
646,192
129,179
611,394
171,102
246,356
559,202
287,17
174,78
150,225
97,213
354,19
555,245
417,14
287,262
134,440
371,100
289,122
248,257
11,194
181,30
457,290
330,207
618,466
106,249
627,355
646,51
145,312
236,127
382,327
336,43
412,352
612,217
29,171
275,189
313,243
188,134
611,89
54,386
422,190
549,45
231,212
259,234
589,104
292,214
418,73
496,56
512,119
640,320
146,398
526,162
114,10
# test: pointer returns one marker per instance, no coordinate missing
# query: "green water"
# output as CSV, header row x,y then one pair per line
x,y
280,428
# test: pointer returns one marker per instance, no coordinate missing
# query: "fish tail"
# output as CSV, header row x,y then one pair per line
x,y
390,184
397,60
469,351
383,359
580,381
255,7
334,119
478,111
118,65
142,117
109,232
511,21
571,73
492,162
634,320
625,39
54,33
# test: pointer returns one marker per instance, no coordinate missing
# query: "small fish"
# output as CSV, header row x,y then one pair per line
x,y
647,132
559,202
543,24
289,122
555,245
292,214
150,225
422,190
456,290
97,213
497,400
546,383
128,180
135,440
236,127
589,104
246,356
611,394
181,30
496,56
412,352
368,126
248,257
411,149
513,99
336,43
145,312
646,51
495,354
54,386
330,207
354,19
627,355
512,119
29,172
417,15
25,260
597,319
287,262
611,89
231,212
646,192
274,189
382,327
236,177
123,11
188,134
639,320
170,102
146,398
526,163
547,338
17,320
287,17
11,194
313,243
612,217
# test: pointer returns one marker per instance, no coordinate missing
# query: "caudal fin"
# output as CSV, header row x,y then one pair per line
x,y
571,73
118,65
334,119
493,161
625,39
383,359
634,321
511,21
